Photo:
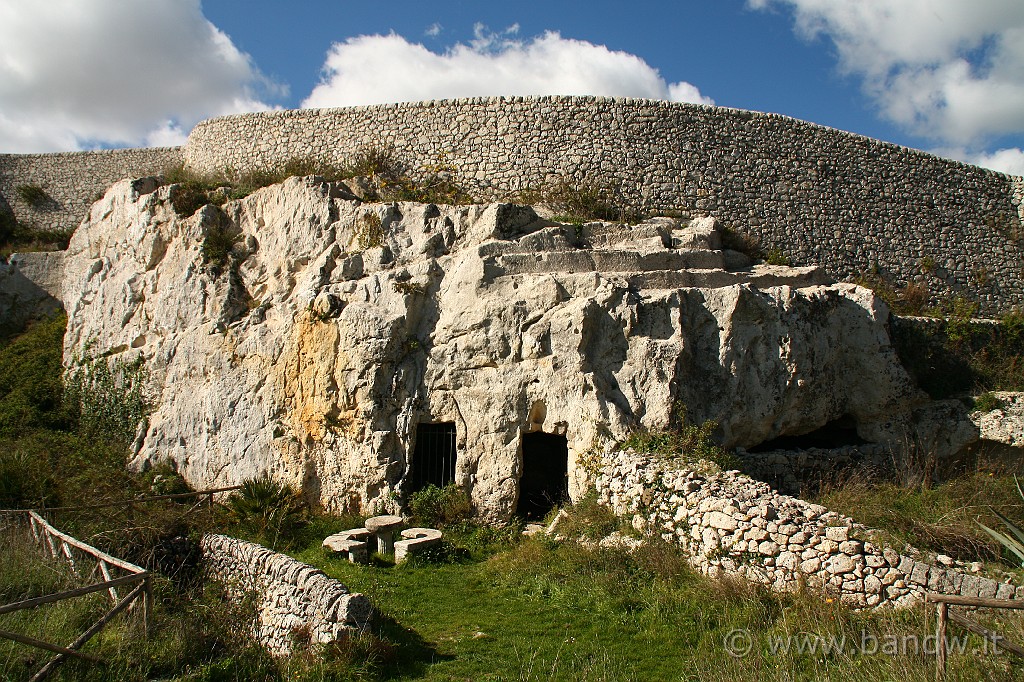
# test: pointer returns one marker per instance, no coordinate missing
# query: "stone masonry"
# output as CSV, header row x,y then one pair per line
x,y
819,196
731,524
73,181
294,601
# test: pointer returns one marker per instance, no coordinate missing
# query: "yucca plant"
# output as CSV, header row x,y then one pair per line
x,y
1014,540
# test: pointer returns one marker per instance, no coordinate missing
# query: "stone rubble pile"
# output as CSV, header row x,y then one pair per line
x,y
294,601
731,524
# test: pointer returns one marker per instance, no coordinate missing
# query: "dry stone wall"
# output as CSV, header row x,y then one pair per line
x,y
294,601
73,181
819,195
731,524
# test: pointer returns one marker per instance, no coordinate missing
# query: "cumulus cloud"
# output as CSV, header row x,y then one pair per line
x,y
84,73
946,69
373,69
1009,161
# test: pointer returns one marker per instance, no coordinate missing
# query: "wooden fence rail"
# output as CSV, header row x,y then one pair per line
x,y
76,553
944,601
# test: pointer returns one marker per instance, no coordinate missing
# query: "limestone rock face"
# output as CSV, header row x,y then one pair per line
x,y
336,326
1004,424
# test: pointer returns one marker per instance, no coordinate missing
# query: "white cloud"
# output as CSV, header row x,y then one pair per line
x,y
434,30
82,73
1009,161
946,69
374,69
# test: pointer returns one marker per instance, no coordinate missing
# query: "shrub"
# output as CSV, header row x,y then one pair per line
x,y
219,242
682,440
371,231
373,161
986,402
436,507
777,257
268,510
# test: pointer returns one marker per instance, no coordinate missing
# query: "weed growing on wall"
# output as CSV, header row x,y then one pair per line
x,y
370,233
35,196
681,440
577,203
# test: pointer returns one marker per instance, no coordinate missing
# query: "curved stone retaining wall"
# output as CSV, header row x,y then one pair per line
x,y
73,181
729,523
819,195
293,600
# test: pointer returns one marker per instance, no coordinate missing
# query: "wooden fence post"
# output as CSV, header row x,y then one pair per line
x,y
940,642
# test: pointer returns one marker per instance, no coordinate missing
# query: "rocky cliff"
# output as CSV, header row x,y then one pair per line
x,y
304,332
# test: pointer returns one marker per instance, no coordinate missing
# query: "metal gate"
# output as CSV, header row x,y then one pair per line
x,y
433,459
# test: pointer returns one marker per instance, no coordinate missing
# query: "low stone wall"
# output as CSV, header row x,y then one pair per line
x,y
729,523
294,601
29,287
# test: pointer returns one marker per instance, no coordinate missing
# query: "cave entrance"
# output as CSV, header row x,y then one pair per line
x,y
836,434
433,458
544,482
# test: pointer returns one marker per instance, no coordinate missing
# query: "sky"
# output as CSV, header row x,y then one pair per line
x,y
945,76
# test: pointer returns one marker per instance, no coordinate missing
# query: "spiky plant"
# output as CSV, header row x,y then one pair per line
x,y
1014,540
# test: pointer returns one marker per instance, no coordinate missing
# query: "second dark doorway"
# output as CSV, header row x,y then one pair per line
x,y
545,479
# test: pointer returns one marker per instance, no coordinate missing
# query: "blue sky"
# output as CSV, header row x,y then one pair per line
x,y
942,75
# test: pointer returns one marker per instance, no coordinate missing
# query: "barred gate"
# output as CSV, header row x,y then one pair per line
x,y
434,456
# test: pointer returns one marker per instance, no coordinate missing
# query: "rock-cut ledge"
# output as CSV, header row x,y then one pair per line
x,y
337,326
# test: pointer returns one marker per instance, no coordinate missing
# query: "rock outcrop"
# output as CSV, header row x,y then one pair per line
x,y
334,327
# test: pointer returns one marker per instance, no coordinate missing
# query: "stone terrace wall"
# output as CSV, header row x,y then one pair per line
x,y
821,196
74,180
293,599
729,523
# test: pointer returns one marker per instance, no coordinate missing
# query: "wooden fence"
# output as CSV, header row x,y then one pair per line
x,y
944,601
89,563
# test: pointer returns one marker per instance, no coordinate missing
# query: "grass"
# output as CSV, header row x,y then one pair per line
x,y
488,605
546,610
956,357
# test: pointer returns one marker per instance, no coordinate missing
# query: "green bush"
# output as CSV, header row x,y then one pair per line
x,y
268,511
986,402
682,440
436,507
